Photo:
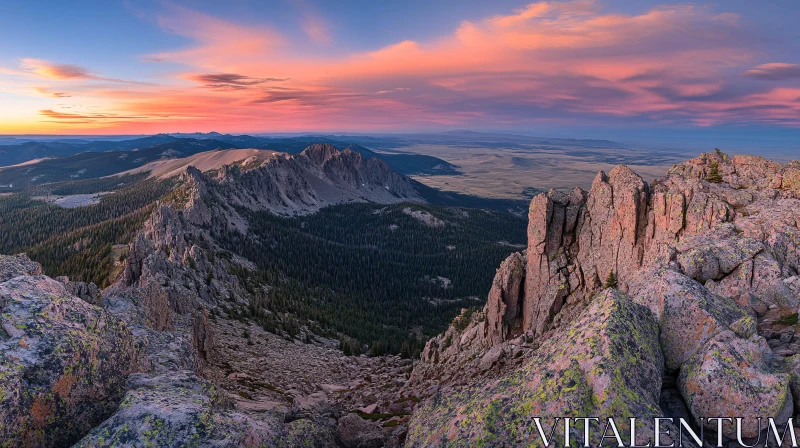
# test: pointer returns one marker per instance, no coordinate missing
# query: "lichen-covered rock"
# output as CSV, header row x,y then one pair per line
x,y
63,361
355,432
732,377
306,433
715,254
688,314
15,265
174,410
611,367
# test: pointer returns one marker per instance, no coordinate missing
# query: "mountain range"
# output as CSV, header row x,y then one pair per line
x,y
258,298
48,161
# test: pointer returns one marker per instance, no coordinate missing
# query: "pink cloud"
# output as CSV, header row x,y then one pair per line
x,y
774,72
316,29
216,41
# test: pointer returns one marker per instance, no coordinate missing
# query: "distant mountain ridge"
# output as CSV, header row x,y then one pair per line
x,y
303,183
87,165
319,176
80,159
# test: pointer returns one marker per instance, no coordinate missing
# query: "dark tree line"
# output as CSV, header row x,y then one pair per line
x,y
76,241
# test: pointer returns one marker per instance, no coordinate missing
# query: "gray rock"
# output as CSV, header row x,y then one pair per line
x,y
63,361
355,432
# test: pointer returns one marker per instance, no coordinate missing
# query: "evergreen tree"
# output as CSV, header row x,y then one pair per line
x,y
713,175
611,280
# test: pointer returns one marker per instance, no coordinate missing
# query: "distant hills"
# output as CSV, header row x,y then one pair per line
x,y
56,160
88,165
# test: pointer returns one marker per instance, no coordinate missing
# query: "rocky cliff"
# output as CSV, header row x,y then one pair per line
x,y
711,251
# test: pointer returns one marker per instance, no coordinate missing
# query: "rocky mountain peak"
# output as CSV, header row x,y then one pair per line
x,y
319,153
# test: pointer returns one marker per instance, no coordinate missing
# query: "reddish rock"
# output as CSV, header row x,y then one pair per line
x,y
730,377
505,303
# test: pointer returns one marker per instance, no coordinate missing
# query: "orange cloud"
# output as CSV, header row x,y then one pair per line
x,y
69,116
47,92
53,70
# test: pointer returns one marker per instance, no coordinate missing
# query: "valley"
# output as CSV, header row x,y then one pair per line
x,y
328,267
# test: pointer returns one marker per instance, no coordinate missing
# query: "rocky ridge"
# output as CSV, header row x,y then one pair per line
x,y
180,292
715,263
303,183
167,360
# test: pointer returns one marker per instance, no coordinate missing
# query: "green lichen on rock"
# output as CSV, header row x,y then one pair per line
x,y
176,409
63,364
731,377
612,366
688,313
306,433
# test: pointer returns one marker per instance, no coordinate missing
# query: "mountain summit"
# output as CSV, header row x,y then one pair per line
x,y
568,329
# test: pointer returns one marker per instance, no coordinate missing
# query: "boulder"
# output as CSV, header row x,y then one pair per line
x,y
731,377
173,410
63,361
355,432
688,314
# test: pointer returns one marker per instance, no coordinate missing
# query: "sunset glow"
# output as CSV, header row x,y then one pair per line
x,y
578,61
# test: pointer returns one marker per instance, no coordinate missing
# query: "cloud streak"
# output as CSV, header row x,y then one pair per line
x,y
774,72
47,92
230,81
47,69
69,116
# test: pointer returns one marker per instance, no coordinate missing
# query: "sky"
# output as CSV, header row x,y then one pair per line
x,y
142,67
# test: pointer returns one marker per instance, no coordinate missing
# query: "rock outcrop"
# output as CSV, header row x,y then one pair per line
x,y
64,362
570,375
176,409
716,263
17,265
